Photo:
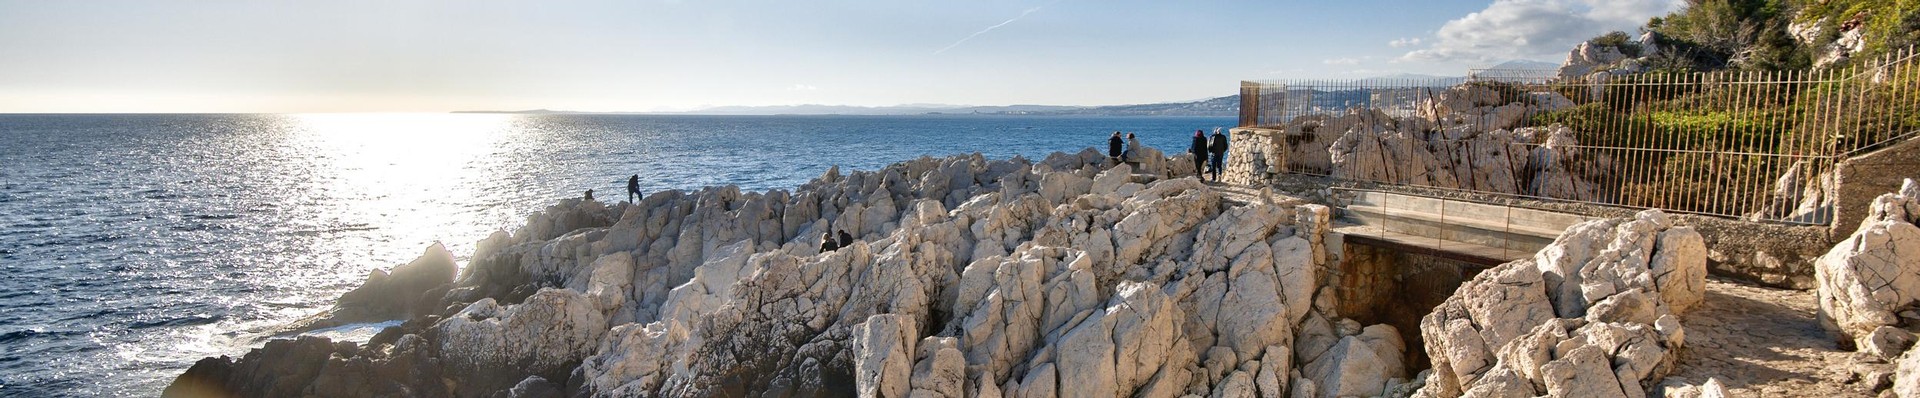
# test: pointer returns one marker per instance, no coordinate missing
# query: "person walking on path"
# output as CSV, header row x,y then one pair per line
x,y
1219,148
1113,147
826,242
1199,151
633,189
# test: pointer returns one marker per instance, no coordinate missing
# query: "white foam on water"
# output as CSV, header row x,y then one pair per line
x,y
357,333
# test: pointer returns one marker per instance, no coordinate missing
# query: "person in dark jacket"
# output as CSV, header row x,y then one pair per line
x,y
589,195
1219,148
1113,147
1199,151
846,239
827,244
633,189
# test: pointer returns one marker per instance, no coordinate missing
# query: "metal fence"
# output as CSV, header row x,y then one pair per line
x,y
1756,145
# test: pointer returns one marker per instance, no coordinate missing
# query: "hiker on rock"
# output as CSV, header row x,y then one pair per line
x,y
1199,151
633,189
826,242
845,238
1219,148
589,195
1113,147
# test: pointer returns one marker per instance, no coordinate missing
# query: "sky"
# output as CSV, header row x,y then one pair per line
x,y
676,55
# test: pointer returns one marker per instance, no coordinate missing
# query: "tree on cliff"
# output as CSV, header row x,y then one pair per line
x,y
1770,35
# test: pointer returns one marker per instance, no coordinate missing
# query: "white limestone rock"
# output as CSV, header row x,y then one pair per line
x,y
1867,279
885,350
1906,376
1587,57
1359,365
553,328
1886,342
1030,279
1122,347
1603,284
939,369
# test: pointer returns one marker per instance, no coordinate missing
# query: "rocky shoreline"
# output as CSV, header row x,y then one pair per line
x,y
983,278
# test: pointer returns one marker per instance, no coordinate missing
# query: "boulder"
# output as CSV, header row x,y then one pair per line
x,y
408,290
885,353
1873,275
1359,365
939,369
1906,376
1589,313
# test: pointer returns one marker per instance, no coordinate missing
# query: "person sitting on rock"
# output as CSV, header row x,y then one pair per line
x,y
826,242
1133,149
846,239
589,195
1113,147
1219,148
1199,151
633,189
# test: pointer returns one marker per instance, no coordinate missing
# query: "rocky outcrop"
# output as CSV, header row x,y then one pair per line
x,y
1587,58
391,365
1593,314
1466,137
1870,278
408,290
969,277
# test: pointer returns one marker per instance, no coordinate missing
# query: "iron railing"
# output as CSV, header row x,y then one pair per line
x,y
1755,145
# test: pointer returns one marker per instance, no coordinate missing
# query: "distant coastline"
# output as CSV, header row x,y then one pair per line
x,y
1212,107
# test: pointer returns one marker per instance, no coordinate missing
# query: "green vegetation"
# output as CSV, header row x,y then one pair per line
x,y
1717,34
1754,35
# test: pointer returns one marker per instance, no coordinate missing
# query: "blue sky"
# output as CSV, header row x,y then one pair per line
x,y
653,55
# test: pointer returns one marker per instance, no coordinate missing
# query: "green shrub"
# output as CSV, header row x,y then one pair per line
x,y
1619,40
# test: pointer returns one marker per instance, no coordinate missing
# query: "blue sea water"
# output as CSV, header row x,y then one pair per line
x,y
133,245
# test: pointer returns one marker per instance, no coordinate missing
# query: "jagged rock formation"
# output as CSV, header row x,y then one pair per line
x,y
1870,278
1465,138
970,277
1589,60
1803,194
409,290
1593,314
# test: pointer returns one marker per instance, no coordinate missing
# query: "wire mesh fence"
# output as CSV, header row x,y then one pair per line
x,y
1755,145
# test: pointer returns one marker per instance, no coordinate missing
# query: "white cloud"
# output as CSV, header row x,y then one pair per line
x,y
1537,29
1341,61
1404,42
802,87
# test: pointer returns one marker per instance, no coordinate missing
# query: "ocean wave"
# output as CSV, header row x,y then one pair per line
x,y
190,320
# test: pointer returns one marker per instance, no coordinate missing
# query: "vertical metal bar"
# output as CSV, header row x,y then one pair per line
x,y
1757,88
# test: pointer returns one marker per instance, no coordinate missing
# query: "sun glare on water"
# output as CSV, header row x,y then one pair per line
x,y
397,164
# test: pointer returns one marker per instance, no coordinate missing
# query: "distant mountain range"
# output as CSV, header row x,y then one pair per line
x,y
1217,106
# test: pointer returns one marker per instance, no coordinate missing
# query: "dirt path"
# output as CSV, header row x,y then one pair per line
x,y
1766,342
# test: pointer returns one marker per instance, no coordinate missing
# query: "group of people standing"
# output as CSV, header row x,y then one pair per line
x,y
1208,153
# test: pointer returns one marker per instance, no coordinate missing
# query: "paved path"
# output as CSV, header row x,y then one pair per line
x,y
1238,194
1765,342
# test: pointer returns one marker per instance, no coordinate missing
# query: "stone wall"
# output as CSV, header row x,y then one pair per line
x,y
1253,156
1377,285
1772,255
1865,177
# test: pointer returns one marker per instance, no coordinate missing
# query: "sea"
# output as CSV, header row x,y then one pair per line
x,y
133,245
